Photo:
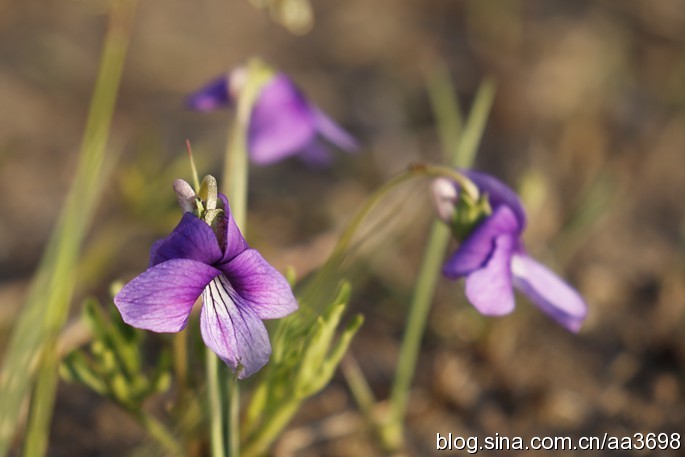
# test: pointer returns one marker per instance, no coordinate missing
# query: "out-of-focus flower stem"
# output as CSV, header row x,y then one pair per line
x,y
159,432
224,418
391,431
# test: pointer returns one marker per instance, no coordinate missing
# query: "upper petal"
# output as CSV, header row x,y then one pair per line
x,y
160,299
489,288
332,132
477,247
213,95
191,239
235,242
262,288
232,330
281,123
499,194
549,292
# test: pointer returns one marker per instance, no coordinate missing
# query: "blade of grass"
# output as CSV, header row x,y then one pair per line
x,y
31,346
446,110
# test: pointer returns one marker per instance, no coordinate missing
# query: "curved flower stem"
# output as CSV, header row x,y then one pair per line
x,y
416,170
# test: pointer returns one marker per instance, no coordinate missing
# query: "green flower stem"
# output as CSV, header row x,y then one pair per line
x,y
236,165
216,419
181,360
159,432
417,170
391,432
358,385
235,179
233,426
180,352
269,430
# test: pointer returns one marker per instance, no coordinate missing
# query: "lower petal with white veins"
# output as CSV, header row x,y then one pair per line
x,y
232,330
260,286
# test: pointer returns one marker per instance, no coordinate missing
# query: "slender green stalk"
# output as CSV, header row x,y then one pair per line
x,y
235,179
216,420
413,333
180,351
465,154
358,385
236,165
233,428
391,432
327,271
273,425
445,108
159,432
33,343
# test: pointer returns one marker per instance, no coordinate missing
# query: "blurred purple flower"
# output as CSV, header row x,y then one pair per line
x,y
238,287
283,122
493,259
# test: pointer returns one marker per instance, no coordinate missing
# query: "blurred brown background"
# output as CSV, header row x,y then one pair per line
x,y
588,123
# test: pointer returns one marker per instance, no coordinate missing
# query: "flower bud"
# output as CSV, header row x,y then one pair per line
x,y
185,195
445,198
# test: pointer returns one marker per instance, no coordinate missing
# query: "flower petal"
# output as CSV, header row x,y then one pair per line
x,y
233,330
191,239
281,123
316,155
499,194
475,250
260,285
549,292
212,96
235,242
489,288
332,132
160,299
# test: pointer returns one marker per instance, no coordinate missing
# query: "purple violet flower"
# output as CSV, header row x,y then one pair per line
x,y
493,259
238,287
283,122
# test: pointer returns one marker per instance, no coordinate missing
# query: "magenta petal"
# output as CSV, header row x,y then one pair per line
x,y
260,285
316,155
232,329
489,289
475,250
499,194
235,242
549,292
333,132
191,239
281,123
160,299
213,95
